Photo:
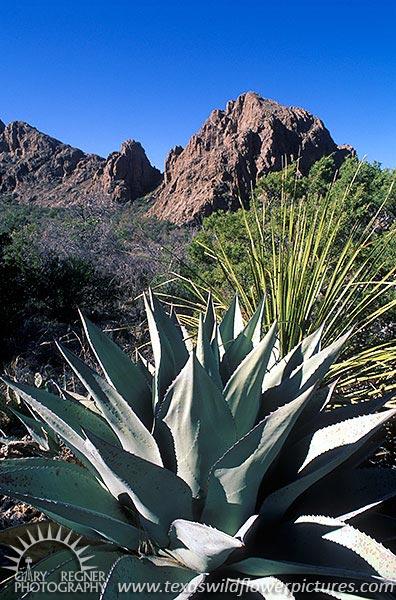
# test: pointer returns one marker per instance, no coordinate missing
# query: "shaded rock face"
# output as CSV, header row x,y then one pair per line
x,y
35,167
233,148
128,174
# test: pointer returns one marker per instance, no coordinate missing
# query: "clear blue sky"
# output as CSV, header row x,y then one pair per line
x,y
95,73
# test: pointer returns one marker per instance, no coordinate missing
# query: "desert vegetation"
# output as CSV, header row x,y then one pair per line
x,y
192,500
209,445
54,261
321,251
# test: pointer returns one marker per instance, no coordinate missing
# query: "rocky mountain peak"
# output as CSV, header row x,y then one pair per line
x,y
128,174
235,147
35,167
218,167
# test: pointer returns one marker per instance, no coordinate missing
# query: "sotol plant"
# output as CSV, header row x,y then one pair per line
x,y
219,464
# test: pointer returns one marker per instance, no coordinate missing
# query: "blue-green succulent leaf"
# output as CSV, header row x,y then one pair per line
x,y
70,491
146,579
209,319
330,448
206,356
131,432
243,344
158,495
169,350
361,489
264,567
310,372
235,479
199,547
40,433
378,558
121,372
231,324
243,390
192,412
68,418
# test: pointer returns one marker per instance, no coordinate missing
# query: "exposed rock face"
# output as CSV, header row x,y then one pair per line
x,y
219,165
37,168
128,174
232,150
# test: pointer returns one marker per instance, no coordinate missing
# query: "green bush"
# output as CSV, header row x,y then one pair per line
x,y
315,259
53,261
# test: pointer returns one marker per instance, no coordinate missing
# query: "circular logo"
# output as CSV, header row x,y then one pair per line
x,y
52,534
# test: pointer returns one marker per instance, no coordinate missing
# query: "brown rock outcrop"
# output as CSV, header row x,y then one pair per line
x,y
128,174
233,148
35,167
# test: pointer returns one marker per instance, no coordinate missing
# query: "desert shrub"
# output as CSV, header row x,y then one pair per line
x,y
54,261
317,259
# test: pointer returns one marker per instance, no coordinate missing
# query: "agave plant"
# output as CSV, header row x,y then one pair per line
x,y
219,464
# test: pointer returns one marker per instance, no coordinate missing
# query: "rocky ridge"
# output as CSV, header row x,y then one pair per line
x,y
35,167
235,147
218,167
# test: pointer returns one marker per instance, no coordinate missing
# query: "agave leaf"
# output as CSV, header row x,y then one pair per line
x,y
192,411
232,323
243,390
70,410
169,349
41,434
316,411
306,539
381,527
335,415
121,372
165,369
293,360
263,567
342,434
52,564
146,368
148,581
209,320
313,412
130,431
379,558
67,418
176,321
84,400
158,495
171,329
68,490
243,344
9,537
310,372
270,588
185,335
192,587
235,479
247,528
274,358
342,595
361,489
354,434
94,537
206,356
217,349
199,547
